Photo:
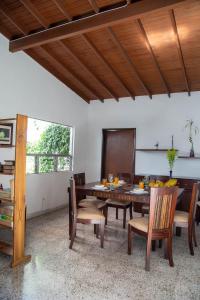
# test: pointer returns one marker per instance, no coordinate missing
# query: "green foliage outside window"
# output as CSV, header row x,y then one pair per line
x,y
54,140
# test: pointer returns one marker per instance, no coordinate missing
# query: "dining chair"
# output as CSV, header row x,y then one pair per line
x,y
85,216
89,201
198,213
158,225
185,219
120,204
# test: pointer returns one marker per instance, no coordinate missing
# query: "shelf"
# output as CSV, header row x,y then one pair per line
x,y
8,201
6,224
154,150
6,248
7,146
188,157
9,174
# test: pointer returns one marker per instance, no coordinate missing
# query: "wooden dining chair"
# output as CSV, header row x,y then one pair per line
x,y
121,204
159,224
89,201
85,216
187,219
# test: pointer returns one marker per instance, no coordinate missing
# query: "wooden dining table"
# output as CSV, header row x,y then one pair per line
x,y
122,193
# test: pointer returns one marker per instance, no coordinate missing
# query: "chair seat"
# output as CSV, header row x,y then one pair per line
x,y
116,202
140,223
181,217
92,203
90,214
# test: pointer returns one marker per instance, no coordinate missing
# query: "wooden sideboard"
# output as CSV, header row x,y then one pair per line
x,y
182,182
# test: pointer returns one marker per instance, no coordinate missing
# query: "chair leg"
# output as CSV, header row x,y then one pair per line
x,y
190,229
194,235
106,214
148,251
97,230
129,239
166,255
160,243
124,218
153,245
131,211
169,248
73,234
101,234
117,213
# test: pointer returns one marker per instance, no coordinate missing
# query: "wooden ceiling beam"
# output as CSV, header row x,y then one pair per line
x,y
101,20
64,70
150,49
6,13
62,9
94,5
34,12
128,60
51,69
107,64
86,68
179,49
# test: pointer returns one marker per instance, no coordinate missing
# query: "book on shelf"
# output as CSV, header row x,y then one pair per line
x,y
8,194
5,167
9,162
8,211
6,220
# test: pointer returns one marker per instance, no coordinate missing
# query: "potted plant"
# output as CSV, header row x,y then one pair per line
x,y
192,129
171,156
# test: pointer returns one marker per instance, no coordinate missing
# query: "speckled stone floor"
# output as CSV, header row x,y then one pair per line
x,y
89,272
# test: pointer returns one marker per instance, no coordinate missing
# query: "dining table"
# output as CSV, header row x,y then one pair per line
x,y
123,192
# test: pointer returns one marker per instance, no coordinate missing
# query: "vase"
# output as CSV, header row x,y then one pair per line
x,y
170,174
192,151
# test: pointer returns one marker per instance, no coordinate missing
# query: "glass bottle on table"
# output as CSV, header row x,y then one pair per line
x,y
110,178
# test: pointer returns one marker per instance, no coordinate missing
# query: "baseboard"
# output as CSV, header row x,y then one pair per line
x,y
46,211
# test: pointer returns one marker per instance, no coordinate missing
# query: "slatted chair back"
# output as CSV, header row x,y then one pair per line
x,y
193,201
125,176
73,198
162,208
79,178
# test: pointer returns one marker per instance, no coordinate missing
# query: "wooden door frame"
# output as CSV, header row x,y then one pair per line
x,y
104,130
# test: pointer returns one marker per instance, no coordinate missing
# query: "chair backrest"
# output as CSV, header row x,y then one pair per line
x,y
162,208
125,176
193,201
73,197
79,178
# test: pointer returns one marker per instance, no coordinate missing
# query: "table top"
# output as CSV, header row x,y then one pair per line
x,y
121,193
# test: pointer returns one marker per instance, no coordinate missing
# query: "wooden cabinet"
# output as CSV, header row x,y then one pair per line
x,y
16,203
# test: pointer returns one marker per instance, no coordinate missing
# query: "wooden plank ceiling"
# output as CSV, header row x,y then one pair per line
x,y
140,48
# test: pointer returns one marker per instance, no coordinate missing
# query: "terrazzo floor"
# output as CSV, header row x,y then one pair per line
x,y
89,272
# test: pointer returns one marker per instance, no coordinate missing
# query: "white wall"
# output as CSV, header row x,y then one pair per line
x,y
26,88
155,121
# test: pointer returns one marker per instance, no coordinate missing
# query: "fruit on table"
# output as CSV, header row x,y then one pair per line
x,y
171,182
158,183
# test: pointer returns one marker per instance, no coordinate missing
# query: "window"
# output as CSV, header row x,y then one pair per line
x,y
49,147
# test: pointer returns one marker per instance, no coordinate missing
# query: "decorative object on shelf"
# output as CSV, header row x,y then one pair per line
x,y
192,129
156,145
171,156
6,133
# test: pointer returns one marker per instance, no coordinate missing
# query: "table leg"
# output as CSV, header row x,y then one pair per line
x,y
178,231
